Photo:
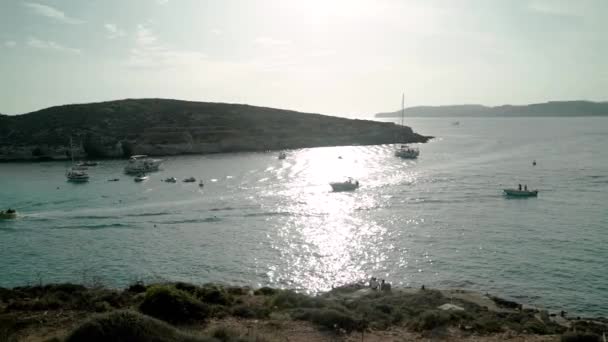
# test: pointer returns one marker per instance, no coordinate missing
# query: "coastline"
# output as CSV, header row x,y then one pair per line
x,y
352,312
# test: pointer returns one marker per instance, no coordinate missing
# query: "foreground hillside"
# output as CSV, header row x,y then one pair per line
x,y
186,312
170,127
548,109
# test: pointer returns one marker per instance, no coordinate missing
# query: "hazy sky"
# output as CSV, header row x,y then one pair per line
x,y
335,57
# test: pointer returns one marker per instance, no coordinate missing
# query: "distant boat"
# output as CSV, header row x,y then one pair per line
x,y
455,123
76,174
8,214
113,180
348,185
282,155
405,151
171,180
141,178
141,163
521,193
189,180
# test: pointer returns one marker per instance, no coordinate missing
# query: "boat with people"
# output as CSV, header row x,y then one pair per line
x,y
520,193
142,163
8,214
141,177
171,180
347,185
405,151
189,180
282,155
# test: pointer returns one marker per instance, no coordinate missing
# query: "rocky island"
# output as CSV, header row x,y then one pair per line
x,y
159,127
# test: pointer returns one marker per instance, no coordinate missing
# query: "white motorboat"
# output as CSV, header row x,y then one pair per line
x,y
171,180
141,163
141,178
407,152
348,185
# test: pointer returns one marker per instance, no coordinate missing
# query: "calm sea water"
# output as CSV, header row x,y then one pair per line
x,y
440,220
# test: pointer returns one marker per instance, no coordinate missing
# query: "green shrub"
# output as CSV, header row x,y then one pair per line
x,y
579,337
535,326
331,319
137,287
123,326
287,299
431,319
215,295
488,325
247,311
172,305
265,291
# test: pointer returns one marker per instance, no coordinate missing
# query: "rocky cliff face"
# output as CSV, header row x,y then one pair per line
x,y
169,127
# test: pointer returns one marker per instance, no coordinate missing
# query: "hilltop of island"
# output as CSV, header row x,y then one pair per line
x,y
158,127
547,109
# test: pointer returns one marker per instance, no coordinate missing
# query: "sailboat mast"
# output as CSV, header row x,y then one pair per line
x,y
402,107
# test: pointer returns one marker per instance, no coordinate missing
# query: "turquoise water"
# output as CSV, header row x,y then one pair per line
x,y
439,221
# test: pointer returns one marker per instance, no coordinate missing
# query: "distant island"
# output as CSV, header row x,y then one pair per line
x,y
548,109
160,127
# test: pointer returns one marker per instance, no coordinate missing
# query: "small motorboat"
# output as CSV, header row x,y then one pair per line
x,y
282,155
114,180
8,214
201,184
521,193
141,178
348,185
171,180
189,180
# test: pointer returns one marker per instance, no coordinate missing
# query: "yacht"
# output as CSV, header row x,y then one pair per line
x,y
77,173
142,164
405,151
77,176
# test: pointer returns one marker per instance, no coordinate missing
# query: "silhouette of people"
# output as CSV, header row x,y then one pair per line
x,y
526,187
373,283
519,187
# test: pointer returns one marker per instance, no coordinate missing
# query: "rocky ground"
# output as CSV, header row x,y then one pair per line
x,y
185,312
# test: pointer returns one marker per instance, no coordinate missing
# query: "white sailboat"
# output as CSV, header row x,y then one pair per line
x,y
405,151
76,174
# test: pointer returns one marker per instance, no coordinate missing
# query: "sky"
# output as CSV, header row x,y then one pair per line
x,y
349,58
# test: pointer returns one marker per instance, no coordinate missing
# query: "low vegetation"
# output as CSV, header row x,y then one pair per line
x,y
164,310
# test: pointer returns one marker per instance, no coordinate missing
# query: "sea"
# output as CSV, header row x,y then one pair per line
x,y
441,221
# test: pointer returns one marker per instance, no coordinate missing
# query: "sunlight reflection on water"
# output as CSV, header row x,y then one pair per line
x,y
324,243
